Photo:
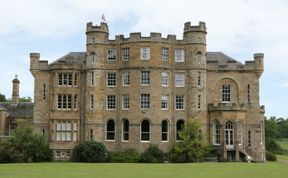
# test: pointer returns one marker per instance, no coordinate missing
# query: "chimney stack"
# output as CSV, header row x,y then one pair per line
x,y
15,90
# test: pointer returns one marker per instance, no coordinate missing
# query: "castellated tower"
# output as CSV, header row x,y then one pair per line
x,y
194,39
41,74
95,74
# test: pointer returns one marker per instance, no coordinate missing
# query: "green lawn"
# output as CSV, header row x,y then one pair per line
x,y
199,170
283,143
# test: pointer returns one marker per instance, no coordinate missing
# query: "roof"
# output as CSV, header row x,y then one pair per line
x,y
2,108
220,57
71,58
22,109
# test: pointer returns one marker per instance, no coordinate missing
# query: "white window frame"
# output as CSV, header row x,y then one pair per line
x,y
226,93
164,102
111,79
113,132
126,79
164,79
164,54
149,132
179,98
145,53
111,55
199,57
145,78
110,102
180,79
126,54
124,131
145,101
165,132
179,55
125,102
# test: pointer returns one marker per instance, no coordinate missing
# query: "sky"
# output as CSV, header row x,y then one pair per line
x,y
239,28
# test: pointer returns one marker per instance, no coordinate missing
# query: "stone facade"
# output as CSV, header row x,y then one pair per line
x,y
135,91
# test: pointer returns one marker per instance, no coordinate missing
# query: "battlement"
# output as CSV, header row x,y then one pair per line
x,y
36,64
102,28
137,37
193,28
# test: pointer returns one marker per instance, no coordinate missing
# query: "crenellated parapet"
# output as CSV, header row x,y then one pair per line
x,y
217,61
36,63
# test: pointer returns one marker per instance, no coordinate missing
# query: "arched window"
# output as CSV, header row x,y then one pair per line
x,y
110,130
216,133
240,133
165,130
92,58
199,57
125,130
145,130
179,127
229,133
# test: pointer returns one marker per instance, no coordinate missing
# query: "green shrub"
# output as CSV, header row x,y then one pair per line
x,y
273,146
152,155
90,151
5,152
26,146
270,156
125,156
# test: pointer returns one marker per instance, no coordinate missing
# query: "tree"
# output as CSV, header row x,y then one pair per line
x,y
90,151
2,98
25,99
192,147
27,146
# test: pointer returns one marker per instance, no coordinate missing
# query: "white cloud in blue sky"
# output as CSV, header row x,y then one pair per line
x,y
55,27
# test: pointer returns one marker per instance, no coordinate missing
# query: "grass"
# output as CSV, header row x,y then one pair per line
x,y
283,143
199,170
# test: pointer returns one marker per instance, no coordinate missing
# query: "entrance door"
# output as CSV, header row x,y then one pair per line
x,y
229,134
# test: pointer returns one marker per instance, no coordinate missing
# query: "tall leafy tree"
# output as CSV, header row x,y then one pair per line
x,y
192,147
2,98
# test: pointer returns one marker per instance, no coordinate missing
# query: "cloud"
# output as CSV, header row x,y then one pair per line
x,y
53,28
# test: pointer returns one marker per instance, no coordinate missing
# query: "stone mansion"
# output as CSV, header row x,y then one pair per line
x,y
133,91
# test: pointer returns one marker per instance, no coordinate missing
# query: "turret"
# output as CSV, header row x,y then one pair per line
x,y
34,60
97,34
195,34
259,63
15,90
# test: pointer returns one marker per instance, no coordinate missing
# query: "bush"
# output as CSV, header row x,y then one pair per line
x,y
5,152
152,155
26,146
90,151
125,156
270,156
273,147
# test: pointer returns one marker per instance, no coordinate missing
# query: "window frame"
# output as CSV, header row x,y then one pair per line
x,y
147,133
125,103
180,79
109,105
165,132
125,131
164,79
126,78
179,55
165,54
145,78
111,55
112,132
165,102
226,93
111,79
177,104
126,54
145,53
145,101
